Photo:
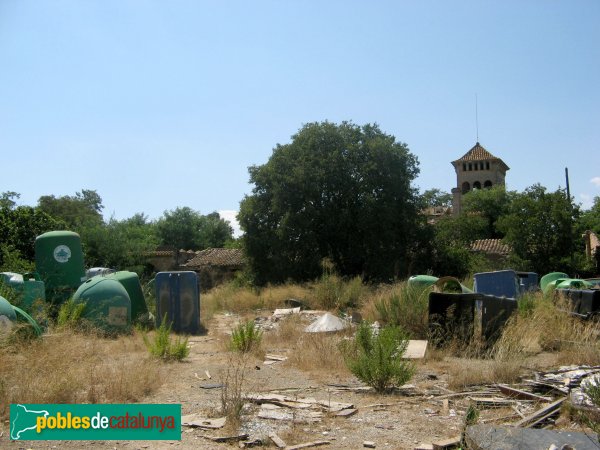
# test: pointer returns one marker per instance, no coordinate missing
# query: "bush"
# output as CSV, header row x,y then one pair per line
x,y
163,347
70,314
376,358
406,307
245,337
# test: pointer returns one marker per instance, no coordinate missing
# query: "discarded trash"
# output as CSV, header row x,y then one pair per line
x,y
326,323
197,421
286,311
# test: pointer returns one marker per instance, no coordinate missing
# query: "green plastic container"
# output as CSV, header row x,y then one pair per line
x,y
573,283
422,281
59,261
28,288
549,278
131,283
7,315
107,304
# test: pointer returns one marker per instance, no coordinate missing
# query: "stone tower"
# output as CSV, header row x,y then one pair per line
x,y
476,169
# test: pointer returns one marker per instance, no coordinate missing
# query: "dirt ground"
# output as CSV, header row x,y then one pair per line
x,y
423,413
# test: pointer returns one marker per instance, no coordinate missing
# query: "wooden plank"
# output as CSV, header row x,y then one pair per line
x,y
235,437
540,414
277,440
275,357
197,421
446,443
521,395
346,412
308,445
491,402
424,447
369,444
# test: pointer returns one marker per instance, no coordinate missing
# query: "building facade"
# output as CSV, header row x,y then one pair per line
x,y
476,169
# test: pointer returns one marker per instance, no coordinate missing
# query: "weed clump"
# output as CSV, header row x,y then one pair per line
x,y
162,347
376,358
245,337
70,314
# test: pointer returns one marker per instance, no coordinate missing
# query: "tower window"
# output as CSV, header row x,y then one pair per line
x,y
477,185
464,167
487,165
470,166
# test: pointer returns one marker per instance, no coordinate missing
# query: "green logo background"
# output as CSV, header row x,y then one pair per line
x,y
24,419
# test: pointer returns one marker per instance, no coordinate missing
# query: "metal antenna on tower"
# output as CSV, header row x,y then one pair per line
x,y
476,118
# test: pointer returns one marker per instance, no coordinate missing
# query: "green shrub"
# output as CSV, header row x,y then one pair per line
x,y
245,337
406,307
163,347
376,358
70,314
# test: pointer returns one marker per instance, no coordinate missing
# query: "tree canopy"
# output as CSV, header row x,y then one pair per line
x,y
184,228
341,192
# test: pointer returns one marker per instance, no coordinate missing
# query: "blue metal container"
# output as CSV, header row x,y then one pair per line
x,y
178,301
505,283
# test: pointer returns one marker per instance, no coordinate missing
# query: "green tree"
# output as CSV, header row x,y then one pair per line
x,y
490,204
436,197
540,228
590,219
18,229
120,244
80,211
8,199
341,192
184,228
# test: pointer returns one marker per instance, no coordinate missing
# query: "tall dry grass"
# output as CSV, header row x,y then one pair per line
x,y
543,323
68,367
312,352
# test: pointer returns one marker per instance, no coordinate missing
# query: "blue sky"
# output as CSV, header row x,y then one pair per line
x,y
160,104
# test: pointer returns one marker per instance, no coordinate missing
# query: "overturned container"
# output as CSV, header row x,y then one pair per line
x,y
28,288
131,283
178,301
107,304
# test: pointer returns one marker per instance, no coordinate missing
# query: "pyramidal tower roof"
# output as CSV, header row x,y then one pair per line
x,y
479,153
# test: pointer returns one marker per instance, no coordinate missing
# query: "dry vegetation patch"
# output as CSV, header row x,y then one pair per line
x,y
68,367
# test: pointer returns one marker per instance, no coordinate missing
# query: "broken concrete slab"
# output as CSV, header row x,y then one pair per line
x,y
415,349
295,416
197,421
487,437
326,323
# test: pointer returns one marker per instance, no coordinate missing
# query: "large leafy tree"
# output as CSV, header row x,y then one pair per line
x,y
184,228
490,204
121,244
341,192
539,225
81,211
19,226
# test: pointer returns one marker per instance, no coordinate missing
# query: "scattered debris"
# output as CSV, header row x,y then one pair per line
x,y
491,402
207,374
521,395
346,412
212,386
235,437
197,421
275,357
273,412
286,311
308,445
487,437
277,440
326,323
298,403
541,414
369,444
447,443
